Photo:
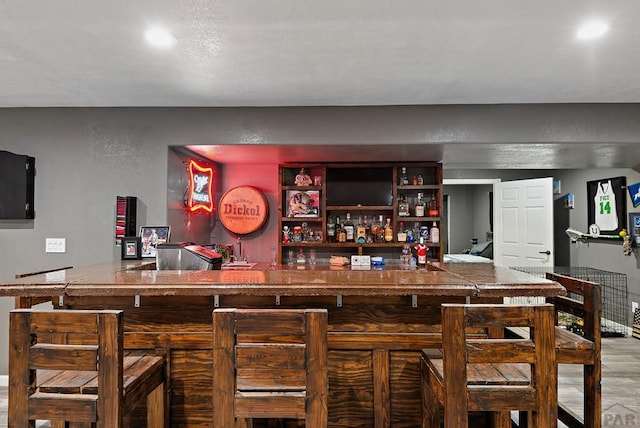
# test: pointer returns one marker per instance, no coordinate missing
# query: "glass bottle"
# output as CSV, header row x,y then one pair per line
x,y
402,233
331,230
420,206
367,230
341,234
403,207
420,180
301,259
404,178
434,233
388,231
349,229
361,232
411,238
377,230
405,258
433,206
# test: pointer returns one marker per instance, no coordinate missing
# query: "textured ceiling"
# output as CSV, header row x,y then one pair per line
x,y
67,53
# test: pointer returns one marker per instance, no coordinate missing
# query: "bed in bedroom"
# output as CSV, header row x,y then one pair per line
x,y
465,258
479,253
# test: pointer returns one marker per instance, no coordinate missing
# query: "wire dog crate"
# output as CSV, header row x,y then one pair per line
x,y
613,288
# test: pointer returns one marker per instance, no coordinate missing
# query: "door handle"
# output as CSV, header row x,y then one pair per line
x,y
548,253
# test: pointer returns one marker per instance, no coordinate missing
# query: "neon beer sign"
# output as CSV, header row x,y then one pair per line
x,y
200,196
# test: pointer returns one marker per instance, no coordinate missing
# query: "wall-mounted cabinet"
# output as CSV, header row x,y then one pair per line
x,y
360,208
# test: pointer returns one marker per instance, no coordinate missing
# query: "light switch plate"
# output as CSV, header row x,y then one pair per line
x,y
55,245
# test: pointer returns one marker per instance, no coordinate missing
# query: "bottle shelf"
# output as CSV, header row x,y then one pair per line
x,y
418,187
301,188
303,244
359,208
420,219
300,219
355,244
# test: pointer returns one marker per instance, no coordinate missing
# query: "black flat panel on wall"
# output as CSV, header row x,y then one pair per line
x,y
17,173
359,186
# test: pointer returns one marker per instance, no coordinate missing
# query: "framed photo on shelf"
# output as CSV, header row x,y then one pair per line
x,y
303,203
151,236
131,247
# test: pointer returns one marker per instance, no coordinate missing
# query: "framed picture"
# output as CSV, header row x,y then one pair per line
x,y
151,236
303,204
131,247
607,205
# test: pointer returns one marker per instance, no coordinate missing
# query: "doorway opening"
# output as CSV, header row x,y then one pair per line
x,y
468,213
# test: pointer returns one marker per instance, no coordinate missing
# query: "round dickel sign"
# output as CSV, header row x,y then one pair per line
x,y
243,210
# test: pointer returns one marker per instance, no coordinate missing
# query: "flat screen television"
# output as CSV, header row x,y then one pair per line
x,y
359,186
17,177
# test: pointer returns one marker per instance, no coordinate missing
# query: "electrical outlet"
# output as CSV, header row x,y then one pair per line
x,y
634,306
55,245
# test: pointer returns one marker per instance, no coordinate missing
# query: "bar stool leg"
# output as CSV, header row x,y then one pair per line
x,y
502,419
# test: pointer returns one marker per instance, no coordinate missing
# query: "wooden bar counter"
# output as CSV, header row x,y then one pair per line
x,y
378,322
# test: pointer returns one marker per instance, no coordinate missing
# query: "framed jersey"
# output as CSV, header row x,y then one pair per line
x,y
607,204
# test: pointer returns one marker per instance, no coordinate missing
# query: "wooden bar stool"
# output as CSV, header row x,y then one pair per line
x,y
583,301
486,374
68,367
269,363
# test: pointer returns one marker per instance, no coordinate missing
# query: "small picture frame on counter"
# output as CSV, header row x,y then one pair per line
x,y
151,236
131,248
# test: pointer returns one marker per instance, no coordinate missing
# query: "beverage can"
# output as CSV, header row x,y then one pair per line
x,y
424,232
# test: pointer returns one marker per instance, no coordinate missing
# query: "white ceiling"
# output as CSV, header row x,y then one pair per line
x,y
66,53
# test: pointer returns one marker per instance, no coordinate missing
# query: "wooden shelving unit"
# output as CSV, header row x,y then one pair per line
x,y
361,189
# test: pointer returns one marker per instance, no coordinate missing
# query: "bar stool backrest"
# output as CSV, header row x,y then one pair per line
x,y
270,363
80,342
492,374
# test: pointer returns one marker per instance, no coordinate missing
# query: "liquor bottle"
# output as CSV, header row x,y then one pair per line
x,y
341,234
404,179
402,233
403,207
349,229
433,206
388,231
420,206
361,232
367,231
411,237
377,230
434,233
301,260
331,230
420,180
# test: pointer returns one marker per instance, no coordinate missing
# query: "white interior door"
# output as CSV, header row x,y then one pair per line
x,y
523,223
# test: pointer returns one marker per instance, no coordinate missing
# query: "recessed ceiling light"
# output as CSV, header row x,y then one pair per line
x,y
592,29
160,37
